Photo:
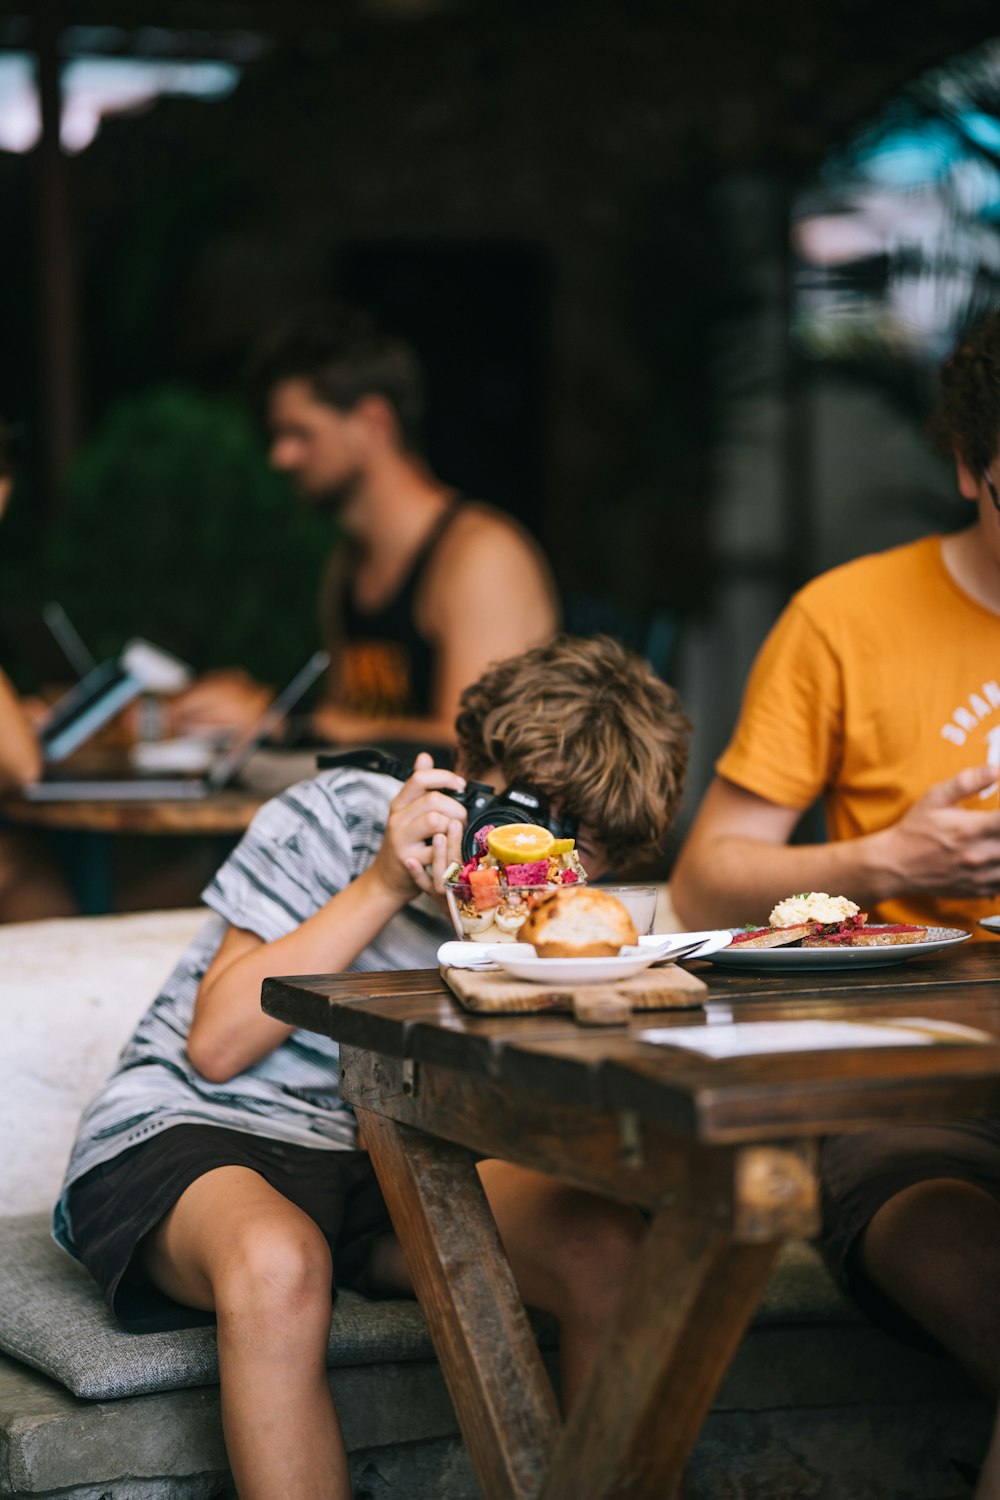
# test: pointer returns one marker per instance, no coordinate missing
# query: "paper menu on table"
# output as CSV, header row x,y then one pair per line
x,y
757,1038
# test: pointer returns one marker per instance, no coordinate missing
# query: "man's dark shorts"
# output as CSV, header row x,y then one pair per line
x,y
117,1204
860,1173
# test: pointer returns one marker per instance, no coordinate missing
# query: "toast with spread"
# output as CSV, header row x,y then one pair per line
x,y
816,920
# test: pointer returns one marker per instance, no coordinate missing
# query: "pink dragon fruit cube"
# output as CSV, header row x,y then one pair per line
x,y
535,873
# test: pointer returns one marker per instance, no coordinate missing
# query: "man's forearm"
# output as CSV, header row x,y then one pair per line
x,y
230,1032
729,881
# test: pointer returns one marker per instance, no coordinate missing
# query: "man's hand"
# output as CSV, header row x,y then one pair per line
x,y
423,834
738,861
939,846
220,700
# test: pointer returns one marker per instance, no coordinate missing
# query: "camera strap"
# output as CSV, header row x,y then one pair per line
x,y
364,758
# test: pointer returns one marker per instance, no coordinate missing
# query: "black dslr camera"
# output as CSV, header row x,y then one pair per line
x,y
484,805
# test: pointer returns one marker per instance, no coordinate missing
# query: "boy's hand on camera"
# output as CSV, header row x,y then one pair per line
x,y
424,831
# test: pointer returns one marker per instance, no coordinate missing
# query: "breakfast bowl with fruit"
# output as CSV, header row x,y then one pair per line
x,y
515,865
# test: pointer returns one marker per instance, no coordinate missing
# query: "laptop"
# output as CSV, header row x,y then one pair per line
x,y
68,638
104,691
64,785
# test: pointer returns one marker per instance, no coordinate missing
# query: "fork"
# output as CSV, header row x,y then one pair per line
x,y
678,953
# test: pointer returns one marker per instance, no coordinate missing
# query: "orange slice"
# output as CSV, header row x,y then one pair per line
x,y
519,843
561,846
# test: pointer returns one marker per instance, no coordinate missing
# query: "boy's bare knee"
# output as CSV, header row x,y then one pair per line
x,y
276,1272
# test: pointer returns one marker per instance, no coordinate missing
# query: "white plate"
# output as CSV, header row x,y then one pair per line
x,y
836,957
458,955
573,970
992,924
656,948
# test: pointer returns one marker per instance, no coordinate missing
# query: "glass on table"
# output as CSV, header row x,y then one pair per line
x,y
639,901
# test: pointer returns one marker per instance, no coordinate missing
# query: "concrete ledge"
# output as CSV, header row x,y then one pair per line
x,y
881,1445
52,1441
889,1452
817,1365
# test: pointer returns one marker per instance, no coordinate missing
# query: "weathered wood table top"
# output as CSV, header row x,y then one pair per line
x,y
226,812
720,1153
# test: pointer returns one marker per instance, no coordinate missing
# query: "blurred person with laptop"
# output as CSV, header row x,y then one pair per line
x,y
30,885
426,588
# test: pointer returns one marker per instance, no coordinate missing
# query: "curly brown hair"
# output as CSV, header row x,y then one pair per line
x,y
590,724
966,423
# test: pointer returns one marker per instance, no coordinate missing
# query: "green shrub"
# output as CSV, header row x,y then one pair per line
x,y
175,529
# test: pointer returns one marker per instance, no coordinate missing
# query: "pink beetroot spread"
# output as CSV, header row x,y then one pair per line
x,y
754,932
843,932
834,931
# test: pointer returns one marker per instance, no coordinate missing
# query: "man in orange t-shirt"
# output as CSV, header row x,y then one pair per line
x,y
879,688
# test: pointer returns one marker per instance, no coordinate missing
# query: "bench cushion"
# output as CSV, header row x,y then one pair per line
x,y
53,1317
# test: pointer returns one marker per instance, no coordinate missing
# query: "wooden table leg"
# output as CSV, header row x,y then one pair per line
x,y
502,1395
690,1296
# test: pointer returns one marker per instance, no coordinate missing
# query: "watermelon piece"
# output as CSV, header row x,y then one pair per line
x,y
534,873
485,888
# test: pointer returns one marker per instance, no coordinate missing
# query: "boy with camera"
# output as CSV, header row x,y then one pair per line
x,y
218,1172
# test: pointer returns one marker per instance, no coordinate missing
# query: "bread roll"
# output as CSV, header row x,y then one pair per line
x,y
578,922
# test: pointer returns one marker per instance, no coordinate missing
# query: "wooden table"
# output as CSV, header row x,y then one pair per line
x,y
721,1154
91,826
220,813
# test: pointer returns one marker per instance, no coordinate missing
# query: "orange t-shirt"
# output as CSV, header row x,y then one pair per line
x,y
881,678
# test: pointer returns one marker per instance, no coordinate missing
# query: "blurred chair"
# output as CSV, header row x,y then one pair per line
x,y
653,636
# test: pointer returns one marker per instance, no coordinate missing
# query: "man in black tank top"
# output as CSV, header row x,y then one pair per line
x,y
426,590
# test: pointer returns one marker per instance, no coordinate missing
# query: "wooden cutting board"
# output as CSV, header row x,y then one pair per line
x,y
494,993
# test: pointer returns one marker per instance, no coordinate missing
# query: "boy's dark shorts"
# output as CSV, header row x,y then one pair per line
x,y
117,1204
861,1172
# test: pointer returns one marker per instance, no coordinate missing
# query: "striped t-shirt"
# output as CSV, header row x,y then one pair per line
x,y
300,850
